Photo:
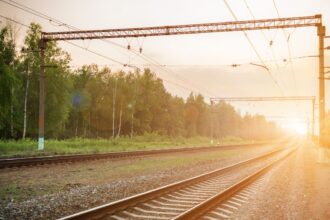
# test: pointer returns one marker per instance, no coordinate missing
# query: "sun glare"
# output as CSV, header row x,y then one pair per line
x,y
296,127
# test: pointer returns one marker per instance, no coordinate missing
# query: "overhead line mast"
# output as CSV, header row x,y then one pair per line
x,y
291,22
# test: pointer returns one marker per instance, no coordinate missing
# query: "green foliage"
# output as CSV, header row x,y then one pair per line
x,y
58,84
9,82
99,103
15,71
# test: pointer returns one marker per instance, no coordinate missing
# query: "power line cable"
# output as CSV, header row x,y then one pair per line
x,y
254,49
160,65
270,41
98,54
76,45
12,20
61,23
287,38
211,65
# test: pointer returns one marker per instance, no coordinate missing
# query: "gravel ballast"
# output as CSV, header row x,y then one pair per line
x,y
69,188
298,188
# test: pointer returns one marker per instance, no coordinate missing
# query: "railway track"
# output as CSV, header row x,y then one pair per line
x,y
202,197
32,161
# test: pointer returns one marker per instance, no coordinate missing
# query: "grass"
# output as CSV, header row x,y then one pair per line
x,y
28,147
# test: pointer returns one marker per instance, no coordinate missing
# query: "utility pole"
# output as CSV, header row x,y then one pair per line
x,y
41,138
321,35
25,99
132,124
212,122
313,119
114,108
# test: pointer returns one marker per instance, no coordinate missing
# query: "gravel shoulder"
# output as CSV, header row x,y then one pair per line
x,y
52,191
297,188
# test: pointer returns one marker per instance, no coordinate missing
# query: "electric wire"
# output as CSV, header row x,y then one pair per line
x,y
12,20
254,49
287,38
263,33
172,65
98,54
270,41
76,45
61,23
236,65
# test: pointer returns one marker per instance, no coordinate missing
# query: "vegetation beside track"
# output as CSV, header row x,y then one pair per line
x,y
21,148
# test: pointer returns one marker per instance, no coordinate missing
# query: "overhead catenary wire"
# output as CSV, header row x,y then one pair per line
x,y
156,64
76,45
12,20
270,42
287,38
61,23
236,65
254,49
98,54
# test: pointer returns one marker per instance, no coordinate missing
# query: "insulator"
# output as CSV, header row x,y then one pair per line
x,y
140,49
128,47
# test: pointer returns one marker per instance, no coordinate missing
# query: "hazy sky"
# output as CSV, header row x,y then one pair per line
x,y
201,63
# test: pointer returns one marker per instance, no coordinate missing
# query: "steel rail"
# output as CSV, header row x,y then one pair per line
x,y
31,161
117,206
203,208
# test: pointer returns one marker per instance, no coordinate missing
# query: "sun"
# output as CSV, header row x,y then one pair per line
x,y
296,127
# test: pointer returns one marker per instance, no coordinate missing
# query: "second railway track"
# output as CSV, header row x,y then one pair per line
x,y
32,161
192,198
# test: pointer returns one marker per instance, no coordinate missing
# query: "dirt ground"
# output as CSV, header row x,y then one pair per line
x,y
298,188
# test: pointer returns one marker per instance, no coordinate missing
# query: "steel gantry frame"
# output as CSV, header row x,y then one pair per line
x,y
187,29
276,23
271,98
266,98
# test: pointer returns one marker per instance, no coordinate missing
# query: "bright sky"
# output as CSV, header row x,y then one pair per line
x,y
201,62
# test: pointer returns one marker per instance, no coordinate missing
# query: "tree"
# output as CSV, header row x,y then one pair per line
x,y
191,116
58,84
8,82
93,102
